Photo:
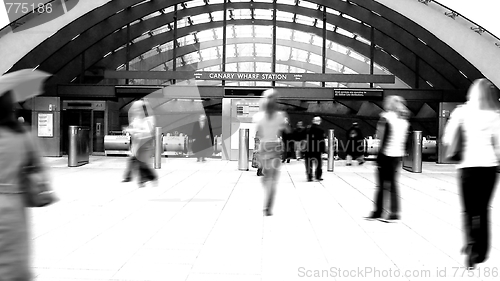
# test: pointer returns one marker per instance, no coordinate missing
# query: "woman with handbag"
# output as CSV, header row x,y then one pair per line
x,y
477,124
392,129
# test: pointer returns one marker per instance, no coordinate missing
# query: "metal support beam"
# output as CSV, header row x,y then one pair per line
x,y
372,51
174,57
275,26
224,40
323,62
82,75
127,52
417,70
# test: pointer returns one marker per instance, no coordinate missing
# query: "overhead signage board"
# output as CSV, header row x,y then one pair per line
x,y
362,94
294,77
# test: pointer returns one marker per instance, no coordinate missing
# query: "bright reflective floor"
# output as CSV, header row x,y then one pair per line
x,y
204,221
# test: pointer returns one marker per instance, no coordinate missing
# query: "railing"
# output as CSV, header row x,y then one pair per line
x,y
474,27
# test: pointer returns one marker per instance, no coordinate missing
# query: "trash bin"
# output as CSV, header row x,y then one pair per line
x,y
79,150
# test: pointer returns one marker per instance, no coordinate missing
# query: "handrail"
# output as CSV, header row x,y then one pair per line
x,y
13,23
454,14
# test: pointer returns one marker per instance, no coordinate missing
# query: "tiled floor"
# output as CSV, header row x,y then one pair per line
x,y
204,221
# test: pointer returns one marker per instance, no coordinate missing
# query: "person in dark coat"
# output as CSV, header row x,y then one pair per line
x,y
355,148
315,147
202,143
299,136
288,144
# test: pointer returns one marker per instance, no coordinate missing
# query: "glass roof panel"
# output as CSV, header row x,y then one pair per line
x,y
351,18
263,67
218,15
155,14
345,32
317,41
284,33
205,35
218,32
230,50
363,40
263,31
209,53
337,47
245,50
193,57
161,30
282,53
357,56
264,1
201,18
308,4
140,38
263,14
243,31
246,66
231,67
305,20
315,59
169,9
319,23
215,1
242,14
333,66
284,16
332,11
300,36
289,2
213,68
299,55
182,22
186,40
194,3
263,50
330,26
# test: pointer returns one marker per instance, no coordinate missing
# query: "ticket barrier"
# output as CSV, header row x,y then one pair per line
x,y
117,143
412,161
217,144
175,144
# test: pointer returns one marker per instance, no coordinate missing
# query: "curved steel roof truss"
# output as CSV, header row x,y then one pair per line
x,y
404,48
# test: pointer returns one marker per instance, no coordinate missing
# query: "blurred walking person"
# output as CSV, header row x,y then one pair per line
x,y
392,130
14,227
299,135
355,148
288,143
202,143
141,129
315,137
479,121
269,129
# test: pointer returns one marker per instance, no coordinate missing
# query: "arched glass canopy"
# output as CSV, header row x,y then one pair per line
x,y
313,36
249,47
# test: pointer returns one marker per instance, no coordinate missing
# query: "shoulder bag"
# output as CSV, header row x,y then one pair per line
x,y
34,182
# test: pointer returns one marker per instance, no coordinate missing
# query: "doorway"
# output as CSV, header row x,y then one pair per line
x,y
94,119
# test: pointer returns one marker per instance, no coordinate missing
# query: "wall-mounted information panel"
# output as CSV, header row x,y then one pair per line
x,y
358,94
